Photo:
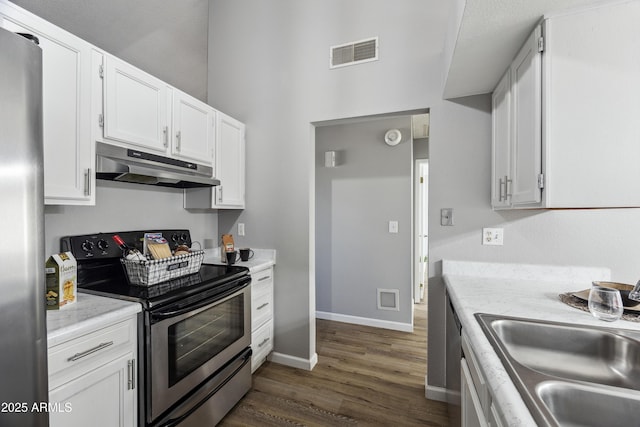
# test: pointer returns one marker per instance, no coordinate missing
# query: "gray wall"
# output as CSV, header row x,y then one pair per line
x,y
124,207
165,38
269,68
355,253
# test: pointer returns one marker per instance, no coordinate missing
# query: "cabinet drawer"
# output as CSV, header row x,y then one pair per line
x,y
261,344
91,347
261,309
262,282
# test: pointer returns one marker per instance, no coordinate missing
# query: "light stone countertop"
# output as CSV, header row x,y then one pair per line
x,y
262,258
527,291
89,313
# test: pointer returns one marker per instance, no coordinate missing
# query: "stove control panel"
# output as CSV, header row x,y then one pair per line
x,y
102,245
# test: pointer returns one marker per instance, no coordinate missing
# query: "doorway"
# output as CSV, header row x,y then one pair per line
x,y
421,228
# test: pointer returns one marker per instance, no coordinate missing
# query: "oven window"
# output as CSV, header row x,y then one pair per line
x,y
197,339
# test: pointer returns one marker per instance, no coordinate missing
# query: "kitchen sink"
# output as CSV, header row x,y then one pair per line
x,y
568,374
574,404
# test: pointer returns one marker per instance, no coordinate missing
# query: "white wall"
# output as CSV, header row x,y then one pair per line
x,y
355,253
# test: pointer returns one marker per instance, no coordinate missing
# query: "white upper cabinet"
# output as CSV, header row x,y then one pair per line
x,y
193,129
592,105
143,112
230,162
229,169
135,106
517,140
569,114
69,162
501,176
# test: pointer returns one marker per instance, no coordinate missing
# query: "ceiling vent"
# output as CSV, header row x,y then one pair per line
x,y
353,53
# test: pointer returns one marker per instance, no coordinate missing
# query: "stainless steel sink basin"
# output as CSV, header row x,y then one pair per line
x,y
573,352
568,373
573,405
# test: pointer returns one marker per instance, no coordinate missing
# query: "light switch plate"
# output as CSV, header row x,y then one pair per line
x,y
393,226
493,236
446,216
241,229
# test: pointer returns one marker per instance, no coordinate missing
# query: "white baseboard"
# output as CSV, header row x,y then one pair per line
x,y
293,361
376,323
440,394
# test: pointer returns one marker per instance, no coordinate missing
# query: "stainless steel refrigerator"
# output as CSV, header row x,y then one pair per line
x,y
23,354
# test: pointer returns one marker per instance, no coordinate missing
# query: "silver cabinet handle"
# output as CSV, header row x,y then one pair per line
x,y
220,193
131,364
506,187
165,135
262,306
500,196
178,137
90,351
264,278
87,182
266,340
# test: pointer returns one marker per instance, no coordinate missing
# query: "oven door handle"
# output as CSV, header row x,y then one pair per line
x,y
230,372
168,312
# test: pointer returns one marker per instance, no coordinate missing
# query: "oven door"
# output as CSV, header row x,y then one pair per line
x,y
190,342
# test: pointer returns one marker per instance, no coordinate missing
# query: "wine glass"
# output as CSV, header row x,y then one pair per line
x,y
605,303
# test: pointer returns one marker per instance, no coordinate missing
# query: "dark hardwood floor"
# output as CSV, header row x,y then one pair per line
x,y
365,376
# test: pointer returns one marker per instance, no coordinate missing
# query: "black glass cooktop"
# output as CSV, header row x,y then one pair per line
x,y
110,280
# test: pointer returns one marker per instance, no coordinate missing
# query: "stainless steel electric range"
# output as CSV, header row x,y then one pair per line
x,y
195,331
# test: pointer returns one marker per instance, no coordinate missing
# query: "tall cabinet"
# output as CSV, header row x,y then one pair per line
x,y
517,132
230,161
69,164
565,114
229,169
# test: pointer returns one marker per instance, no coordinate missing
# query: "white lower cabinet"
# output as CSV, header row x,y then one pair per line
x,y
472,414
93,378
477,406
261,316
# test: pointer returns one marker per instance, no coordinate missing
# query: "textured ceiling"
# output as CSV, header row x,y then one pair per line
x,y
166,38
489,37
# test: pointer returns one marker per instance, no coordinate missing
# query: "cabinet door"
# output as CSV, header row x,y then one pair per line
x,y
501,143
193,129
526,96
104,396
230,162
135,107
66,86
472,415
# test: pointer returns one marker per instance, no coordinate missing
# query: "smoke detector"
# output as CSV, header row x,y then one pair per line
x,y
393,137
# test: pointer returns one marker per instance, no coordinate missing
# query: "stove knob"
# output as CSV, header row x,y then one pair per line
x,y
174,237
103,245
87,246
183,237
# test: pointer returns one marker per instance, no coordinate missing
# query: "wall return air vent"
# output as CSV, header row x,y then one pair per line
x,y
353,53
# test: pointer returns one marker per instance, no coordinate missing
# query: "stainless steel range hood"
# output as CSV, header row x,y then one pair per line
x,y
127,165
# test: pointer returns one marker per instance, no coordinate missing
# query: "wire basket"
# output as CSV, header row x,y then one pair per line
x,y
152,272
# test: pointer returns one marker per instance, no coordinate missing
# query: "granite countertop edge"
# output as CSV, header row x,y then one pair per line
x,y
89,313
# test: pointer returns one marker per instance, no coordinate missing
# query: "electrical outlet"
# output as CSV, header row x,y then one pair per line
x,y
241,229
393,226
493,236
